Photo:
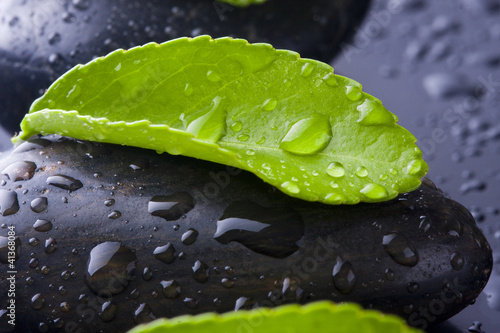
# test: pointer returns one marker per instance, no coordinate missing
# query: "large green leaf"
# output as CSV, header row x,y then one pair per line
x,y
318,317
291,121
243,3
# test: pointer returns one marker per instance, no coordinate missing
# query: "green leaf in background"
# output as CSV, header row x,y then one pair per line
x,y
243,3
318,317
291,121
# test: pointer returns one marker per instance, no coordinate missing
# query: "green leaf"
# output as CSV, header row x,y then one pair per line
x,y
291,121
243,3
318,317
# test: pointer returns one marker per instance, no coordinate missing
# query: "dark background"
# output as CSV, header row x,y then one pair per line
x,y
436,64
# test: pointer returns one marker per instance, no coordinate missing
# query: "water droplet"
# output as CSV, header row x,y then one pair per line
x,y
188,90
37,301
114,215
8,203
261,141
273,231
361,172
213,76
147,274
171,289
34,241
353,93
109,202
307,69
110,268
308,136
237,126
42,225
243,137
291,290
335,198
190,302
336,170
344,279
373,113
210,123
165,253
448,85
33,262
389,274
38,205
201,271
4,249
244,303
21,170
108,311
290,187
400,249
374,191
250,152
331,80
118,67
269,104
65,307
143,314
189,237
30,144
50,245
64,182
412,287
171,207
227,283
457,261
414,167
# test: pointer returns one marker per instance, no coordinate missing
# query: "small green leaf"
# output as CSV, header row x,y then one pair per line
x,y
319,317
243,3
291,121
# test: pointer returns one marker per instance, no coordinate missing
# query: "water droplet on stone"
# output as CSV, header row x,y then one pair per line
x,y
273,231
21,170
335,169
165,253
344,279
447,85
412,287
308,136
190,302
389,274
37,301
171,289
114,215
147,274
171,207
31,144
227,283
50,245
64,182
38,205
143,314
201,271
42,225
8,203
189,237
244,303
108,311
400,249
34,241
457,261
110,268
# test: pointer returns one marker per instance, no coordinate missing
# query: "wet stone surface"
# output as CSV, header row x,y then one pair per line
x,y
139,266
